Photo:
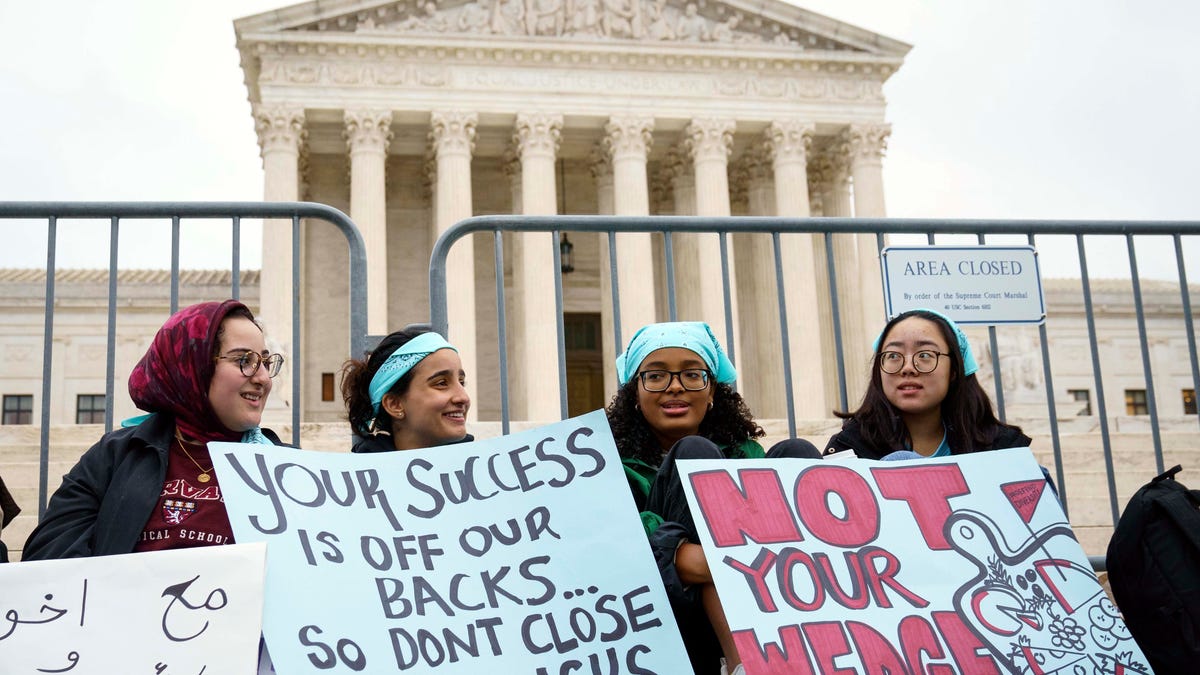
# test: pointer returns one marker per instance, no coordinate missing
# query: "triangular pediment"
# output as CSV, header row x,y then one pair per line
x,y
761,23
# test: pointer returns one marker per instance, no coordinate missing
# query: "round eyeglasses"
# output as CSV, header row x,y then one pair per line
x,y
925,361
691,379
249,362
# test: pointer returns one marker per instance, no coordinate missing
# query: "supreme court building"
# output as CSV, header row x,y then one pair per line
x,y
411,116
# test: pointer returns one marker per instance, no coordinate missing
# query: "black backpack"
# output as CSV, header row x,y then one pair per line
x,y
1154,570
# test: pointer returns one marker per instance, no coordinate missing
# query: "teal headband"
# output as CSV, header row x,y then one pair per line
x,y
401,361
692,335
964,347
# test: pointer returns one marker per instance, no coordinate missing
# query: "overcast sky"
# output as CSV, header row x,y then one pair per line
x,y
1003,109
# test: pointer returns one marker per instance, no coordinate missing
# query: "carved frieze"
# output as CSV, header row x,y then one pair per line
x,y
640,20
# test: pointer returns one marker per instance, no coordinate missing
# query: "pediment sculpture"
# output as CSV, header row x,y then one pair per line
x,y
644,20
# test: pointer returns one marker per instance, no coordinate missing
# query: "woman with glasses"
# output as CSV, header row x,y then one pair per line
x,y
923,396
676,402
150,485
409,393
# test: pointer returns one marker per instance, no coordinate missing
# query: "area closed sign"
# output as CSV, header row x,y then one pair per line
x,y
970,284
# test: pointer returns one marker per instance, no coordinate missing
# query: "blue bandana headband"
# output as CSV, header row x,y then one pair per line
x,y
401,361
964,347
692,335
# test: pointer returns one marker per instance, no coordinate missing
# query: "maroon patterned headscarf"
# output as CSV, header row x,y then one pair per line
x,y
174,375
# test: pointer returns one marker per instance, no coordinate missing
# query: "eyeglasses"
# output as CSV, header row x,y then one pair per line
x,y
691,379
923,361
249,362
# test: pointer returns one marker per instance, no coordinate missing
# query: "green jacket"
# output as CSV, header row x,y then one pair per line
x,y
641,476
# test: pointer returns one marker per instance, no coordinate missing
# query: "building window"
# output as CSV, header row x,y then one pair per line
x,y
1189,401
89,409
1135,402
18,409
326,386
1084,398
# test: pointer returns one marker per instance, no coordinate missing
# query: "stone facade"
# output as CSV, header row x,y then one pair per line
x,y
412,116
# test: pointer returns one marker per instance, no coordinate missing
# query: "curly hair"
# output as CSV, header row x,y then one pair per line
x,y
966,409
356,384
727,424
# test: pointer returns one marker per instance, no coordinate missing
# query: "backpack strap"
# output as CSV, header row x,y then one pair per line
x,y
1168,474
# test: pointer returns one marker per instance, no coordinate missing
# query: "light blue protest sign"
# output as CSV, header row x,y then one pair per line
x,y
520,554
963,564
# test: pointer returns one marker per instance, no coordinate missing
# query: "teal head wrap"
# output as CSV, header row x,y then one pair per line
x,y
964,347
692,335
401,361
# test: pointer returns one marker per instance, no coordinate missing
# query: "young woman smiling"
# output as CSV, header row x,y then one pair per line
x,y
409,393
923,396
150,486
676,402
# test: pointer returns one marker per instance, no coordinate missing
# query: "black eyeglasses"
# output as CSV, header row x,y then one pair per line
x,y
925,361
249,362
691,379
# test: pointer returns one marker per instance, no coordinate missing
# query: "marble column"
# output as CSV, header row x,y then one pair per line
x,y
452,137
698,279
867,144
534,366
602,173
857,335
368,134
787,144
627,142
281,137
760,366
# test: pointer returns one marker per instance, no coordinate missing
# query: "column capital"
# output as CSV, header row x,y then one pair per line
x,y
453,132
368,130
537,134
787,141
510,164
280,127
866,142
600,161
677,166
628,136
709,139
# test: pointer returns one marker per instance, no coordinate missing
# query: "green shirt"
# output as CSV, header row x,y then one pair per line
x,y
641,476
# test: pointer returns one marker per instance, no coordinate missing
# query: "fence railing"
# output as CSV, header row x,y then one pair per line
x,y
171,214
979,230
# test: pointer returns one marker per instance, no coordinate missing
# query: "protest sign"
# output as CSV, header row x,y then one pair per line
x,y
520,554
177,612
956,565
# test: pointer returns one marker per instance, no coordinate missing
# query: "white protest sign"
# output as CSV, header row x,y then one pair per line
x,y
970,284
177,612
520,554
963,564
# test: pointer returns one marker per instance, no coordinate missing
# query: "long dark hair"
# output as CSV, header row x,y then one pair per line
x,y
966,409
356,384
727,424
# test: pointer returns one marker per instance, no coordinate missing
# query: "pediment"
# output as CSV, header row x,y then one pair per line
x,y
761,23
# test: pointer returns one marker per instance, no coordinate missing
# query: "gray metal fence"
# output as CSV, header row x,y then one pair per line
x,y
978,230
227,214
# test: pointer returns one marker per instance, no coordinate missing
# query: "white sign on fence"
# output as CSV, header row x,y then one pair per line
x,y
185,611
970,284
519,554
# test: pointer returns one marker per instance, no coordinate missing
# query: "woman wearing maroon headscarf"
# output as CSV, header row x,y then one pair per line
x,y
206,377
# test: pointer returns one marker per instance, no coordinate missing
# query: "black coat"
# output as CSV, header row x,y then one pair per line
x,y
383,443
851,438
106,499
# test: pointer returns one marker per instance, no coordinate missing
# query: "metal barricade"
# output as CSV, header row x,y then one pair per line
x,y
979,230
174,212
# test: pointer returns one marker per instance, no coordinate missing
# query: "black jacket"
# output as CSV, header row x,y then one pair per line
x,y
851,438
105,500
383,443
